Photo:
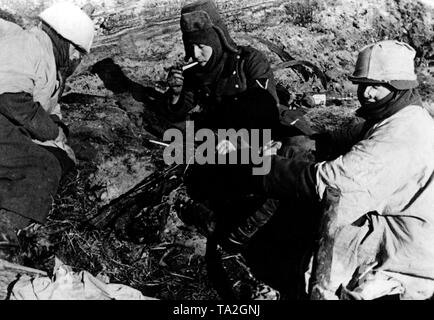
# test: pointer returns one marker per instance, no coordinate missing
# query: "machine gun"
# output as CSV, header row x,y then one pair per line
x,y
132,216
146,193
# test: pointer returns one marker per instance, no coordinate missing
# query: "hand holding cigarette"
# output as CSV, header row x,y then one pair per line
x,y
175,79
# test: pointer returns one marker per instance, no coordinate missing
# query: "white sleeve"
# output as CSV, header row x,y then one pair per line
x,y
363,175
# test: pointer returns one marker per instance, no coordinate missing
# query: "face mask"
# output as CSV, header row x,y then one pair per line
x,y
375,94
74,59
71,67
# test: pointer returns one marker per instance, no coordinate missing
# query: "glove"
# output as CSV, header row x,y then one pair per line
x,y
175,80
225,146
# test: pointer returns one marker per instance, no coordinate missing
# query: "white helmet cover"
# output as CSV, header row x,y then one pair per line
x,y
71,23
387,61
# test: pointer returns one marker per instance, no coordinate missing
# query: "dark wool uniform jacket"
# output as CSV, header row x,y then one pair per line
x,y
246,69
234,100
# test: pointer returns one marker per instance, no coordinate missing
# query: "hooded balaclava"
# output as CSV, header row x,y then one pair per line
x,y
202,24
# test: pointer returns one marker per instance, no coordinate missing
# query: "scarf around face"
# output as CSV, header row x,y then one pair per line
x,y
389,105
64,65
211,71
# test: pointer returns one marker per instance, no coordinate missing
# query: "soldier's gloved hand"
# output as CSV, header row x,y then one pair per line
x,y
175,80
225,146
271,148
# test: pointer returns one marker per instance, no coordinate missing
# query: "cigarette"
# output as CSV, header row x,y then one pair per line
x,y
188,66
158,142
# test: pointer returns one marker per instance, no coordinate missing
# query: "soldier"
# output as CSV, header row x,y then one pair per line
x,y
223,71
231,86
34,65
384,177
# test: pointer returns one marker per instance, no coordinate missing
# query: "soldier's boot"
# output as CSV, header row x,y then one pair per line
x,y
240,237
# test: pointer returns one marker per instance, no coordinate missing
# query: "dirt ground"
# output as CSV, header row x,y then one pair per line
x,y
110,118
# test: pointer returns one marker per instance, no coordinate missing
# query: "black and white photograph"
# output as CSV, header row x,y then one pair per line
x,y
213,154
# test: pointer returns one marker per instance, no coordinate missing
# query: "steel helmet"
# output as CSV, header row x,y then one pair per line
x,y
387,61
71,23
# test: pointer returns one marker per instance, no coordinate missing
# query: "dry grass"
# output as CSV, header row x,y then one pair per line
x,y
164,270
